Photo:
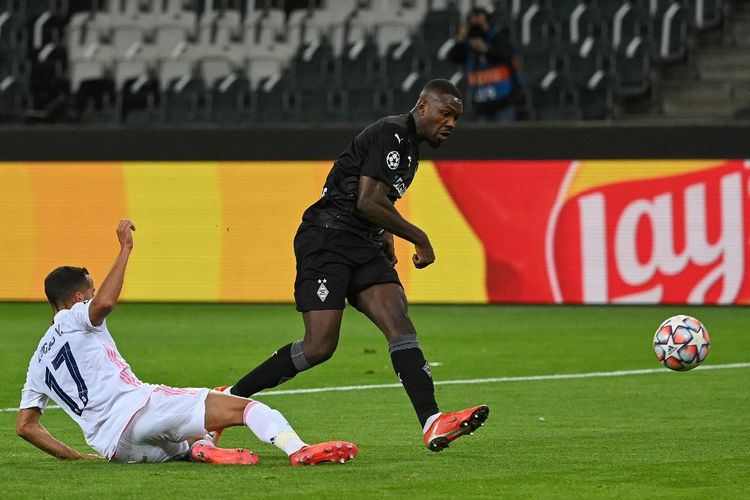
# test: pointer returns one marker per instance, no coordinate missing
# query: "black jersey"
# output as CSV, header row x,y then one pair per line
x,y
387,150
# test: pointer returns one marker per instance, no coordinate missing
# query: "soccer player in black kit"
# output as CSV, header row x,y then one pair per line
x,y
344,250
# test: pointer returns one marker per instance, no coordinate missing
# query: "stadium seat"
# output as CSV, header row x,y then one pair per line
x,y
706,14
137,93
182,93
13,100
85,70
534,26
554,99
86,41
438,27
577,21
95,101
584,60
48,28
595,97
13,31
261,71
392,35
671,33
360,65
366,104
519,7
170,40
624,23
228,100
403,97
129,42
48,84
322,105
274,103
175,13
631,69
127,13
214,69
535,64
314,63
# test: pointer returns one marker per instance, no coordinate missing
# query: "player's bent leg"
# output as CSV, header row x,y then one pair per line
x,y
270,426
215,434
224,410
322,329
450,426
163,429
385,305
318,345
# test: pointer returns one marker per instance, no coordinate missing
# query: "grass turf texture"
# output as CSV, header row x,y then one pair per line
x,y
646,436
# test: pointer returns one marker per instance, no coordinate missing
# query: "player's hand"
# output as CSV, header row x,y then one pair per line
x,y
463,31
389,248
478,45
424,256
125,233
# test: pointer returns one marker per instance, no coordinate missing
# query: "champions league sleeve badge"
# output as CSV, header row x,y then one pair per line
x,y
393,159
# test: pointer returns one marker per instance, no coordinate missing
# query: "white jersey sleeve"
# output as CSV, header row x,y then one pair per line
x,y
32,396
78,366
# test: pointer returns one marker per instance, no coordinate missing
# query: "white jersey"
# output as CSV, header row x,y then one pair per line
x,y
78,365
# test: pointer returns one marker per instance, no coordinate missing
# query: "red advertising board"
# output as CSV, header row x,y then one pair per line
x,y
599,232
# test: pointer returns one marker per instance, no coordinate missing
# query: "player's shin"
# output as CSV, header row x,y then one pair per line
x,y
271,427
283,365
414,372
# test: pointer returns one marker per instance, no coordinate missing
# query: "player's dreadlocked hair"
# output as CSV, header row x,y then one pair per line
x,y
61,283
442,86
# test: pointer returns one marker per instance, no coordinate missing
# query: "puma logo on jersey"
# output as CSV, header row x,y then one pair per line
x,y
398,138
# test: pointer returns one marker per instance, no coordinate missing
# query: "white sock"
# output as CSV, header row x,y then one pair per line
x,y
430,421
271,427
289,442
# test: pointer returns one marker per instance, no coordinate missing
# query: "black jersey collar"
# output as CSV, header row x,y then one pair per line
x,y
411,127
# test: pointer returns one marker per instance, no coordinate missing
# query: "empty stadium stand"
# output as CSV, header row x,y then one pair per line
x,y
242,61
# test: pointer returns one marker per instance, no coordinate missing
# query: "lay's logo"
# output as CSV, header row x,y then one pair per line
x,y
650,232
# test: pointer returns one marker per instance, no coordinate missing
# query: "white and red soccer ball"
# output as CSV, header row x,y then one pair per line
x,y
681,343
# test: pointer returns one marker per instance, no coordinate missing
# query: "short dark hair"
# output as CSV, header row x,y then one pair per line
x,y
61,283
442,86
477,11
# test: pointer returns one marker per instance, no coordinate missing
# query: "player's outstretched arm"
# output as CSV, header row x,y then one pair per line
x,y
373,203
29,427
105,299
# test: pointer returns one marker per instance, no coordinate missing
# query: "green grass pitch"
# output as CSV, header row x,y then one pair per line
x,y
655,435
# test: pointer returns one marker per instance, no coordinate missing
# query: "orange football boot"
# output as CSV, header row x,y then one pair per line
x,y
206,453
331,451
450,426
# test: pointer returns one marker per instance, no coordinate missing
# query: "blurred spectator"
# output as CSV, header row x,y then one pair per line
x,y
489,59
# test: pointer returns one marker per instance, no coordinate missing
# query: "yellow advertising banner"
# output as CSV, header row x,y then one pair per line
x,y
206,232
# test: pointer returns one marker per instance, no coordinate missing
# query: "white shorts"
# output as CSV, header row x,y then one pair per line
x,y
159,431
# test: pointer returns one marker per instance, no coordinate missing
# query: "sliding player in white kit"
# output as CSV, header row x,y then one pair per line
x,y
78,366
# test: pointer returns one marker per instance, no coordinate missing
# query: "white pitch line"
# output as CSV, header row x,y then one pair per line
x,y
494,380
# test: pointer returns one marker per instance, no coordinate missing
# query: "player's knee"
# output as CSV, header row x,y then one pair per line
x,y
319,352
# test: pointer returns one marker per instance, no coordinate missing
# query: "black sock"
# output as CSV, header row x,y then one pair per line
x,y
414,372
274,371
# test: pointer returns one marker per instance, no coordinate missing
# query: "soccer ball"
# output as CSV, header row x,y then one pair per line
x,y
681,343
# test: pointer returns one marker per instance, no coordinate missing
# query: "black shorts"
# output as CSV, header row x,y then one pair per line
x,y
333,265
